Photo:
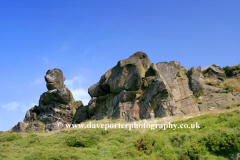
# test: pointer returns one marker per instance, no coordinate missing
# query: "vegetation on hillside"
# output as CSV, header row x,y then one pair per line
x,y
228,85
228,70
217,138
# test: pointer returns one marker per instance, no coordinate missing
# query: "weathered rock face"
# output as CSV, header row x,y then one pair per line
x,y
177,80
215,72
54,79
197,82
126,75
56,106
81,115
135,89
215,101
122,83
20,127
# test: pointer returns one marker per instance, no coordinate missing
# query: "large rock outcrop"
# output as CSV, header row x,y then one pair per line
x,y
136,89
56,106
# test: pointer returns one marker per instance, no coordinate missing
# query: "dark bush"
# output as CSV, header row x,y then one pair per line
x,y
228,70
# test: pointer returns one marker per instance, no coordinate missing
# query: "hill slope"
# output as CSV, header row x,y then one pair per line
x,y
217,138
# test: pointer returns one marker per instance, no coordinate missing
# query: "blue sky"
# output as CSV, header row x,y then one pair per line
x,y
85,38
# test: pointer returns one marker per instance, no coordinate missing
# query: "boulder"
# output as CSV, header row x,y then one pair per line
x,y
20,127
96,90
127,74
196,80
215,72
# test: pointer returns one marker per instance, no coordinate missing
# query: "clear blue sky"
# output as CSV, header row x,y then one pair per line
x,y
85,38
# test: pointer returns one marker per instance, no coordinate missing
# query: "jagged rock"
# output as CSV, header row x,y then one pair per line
x,y
56,106
36,126
177,80
20,127
136,89
197,82
215,72
167,108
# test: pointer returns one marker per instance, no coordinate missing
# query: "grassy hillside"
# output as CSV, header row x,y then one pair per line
x,y
217,138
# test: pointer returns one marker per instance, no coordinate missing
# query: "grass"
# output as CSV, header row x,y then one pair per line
x,y
218,136
210,82
230,106
229,85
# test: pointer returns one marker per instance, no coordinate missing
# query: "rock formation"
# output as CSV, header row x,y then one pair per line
x,y
197,82
134,89
215,72
137,89
56,106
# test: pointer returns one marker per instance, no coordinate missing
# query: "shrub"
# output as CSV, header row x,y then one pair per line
x,y
228,70
196,150
168,153
145,143
222,141
177,139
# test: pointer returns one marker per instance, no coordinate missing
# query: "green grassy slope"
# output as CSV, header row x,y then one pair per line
x,y
218,138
